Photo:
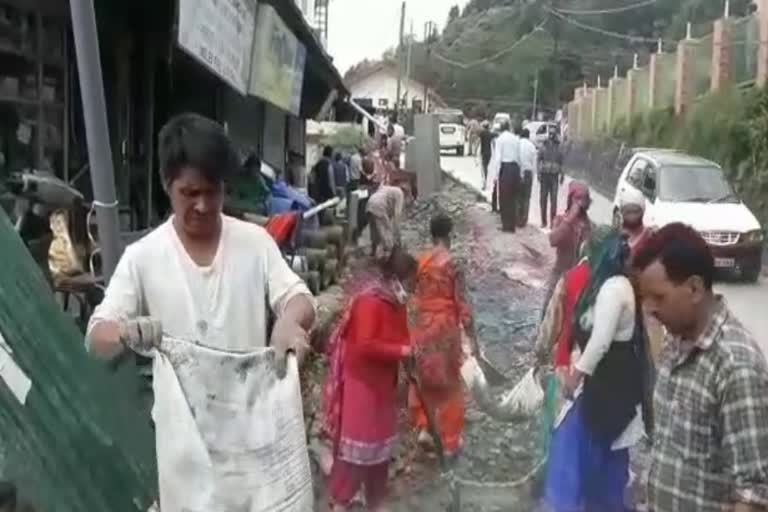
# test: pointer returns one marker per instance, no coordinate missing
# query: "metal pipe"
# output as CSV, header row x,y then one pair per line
x,y
97,132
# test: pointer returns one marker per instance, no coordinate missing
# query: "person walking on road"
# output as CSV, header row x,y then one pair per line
x,y
340,174
361,404
550,178
529,159
486,150
710,441
571,230
201,275
473,133
505,176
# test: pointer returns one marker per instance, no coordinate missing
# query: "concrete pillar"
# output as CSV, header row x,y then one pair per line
x,y
653,81
426,154
631,93
684,76
600,108
610,102
762,52
721,54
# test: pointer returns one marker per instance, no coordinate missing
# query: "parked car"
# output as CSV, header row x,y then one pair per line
x,y
540,131
688,189
452,130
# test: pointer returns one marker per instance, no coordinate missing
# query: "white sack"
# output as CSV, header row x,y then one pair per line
x,y
526,397
230,434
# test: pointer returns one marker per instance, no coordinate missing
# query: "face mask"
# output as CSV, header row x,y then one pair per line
x,y
400,292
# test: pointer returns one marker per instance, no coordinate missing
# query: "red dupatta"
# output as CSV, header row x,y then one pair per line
x,y
333,388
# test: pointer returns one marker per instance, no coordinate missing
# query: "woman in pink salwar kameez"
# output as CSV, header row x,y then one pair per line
x,y
361,401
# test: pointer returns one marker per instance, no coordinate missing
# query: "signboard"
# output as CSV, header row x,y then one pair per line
x,y
277,71
220,34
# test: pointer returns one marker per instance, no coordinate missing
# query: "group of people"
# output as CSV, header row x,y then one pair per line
x,y
510,160
361,399
708,420
698,394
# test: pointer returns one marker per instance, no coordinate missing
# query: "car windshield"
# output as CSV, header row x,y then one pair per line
x,y
500,118
697,184
450,118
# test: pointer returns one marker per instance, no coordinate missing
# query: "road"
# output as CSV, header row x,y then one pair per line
x,y
746,300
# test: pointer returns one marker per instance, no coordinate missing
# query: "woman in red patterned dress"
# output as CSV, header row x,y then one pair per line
x,y
442,319
360,397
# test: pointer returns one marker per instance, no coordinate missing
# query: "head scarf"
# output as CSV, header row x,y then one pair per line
x,y
577,190
607,259
632,197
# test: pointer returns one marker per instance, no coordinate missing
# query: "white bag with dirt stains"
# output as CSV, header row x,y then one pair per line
x,y
526,397
230,434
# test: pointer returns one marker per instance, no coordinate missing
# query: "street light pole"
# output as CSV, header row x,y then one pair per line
x,y
400,62
97,132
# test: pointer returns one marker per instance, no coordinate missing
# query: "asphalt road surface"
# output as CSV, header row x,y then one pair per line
x,y
746,300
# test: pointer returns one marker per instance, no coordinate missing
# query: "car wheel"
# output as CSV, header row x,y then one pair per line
x,y
460,150
617,220
751,274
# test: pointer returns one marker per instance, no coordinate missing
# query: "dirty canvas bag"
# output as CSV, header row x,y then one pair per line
x,y
230,434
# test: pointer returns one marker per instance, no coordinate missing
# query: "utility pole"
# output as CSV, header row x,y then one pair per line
x,y
408,66
535,95
400,61
97,132
556,33
428,63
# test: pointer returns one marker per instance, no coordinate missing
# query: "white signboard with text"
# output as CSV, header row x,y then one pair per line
x,y
220,34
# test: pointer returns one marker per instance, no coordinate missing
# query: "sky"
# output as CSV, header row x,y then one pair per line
x,y
360,29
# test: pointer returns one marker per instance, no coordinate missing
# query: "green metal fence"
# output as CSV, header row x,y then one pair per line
x,y
702,65
666,67
744,43
642,89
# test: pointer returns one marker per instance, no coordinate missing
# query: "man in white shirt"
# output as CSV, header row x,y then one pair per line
x,y
202,276
505,176
529,158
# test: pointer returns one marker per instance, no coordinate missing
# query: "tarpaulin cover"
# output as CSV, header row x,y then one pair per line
x,y
72,434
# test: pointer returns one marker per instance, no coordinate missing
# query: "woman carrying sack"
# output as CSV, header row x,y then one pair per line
x,y
588,467
442,317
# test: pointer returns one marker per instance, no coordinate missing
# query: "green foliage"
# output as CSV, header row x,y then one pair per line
x,y
345,139
486,27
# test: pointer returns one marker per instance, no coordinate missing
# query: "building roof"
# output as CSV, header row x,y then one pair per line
x,y
390,68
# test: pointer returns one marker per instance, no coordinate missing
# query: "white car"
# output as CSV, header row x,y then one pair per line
x,y
452,130
694,191
540,131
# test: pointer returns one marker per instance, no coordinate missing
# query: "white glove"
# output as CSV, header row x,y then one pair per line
x,y
141,334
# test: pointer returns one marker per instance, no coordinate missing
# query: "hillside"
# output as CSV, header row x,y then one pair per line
x,y
461,71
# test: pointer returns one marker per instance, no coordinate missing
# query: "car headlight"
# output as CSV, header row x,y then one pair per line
x,y
755,236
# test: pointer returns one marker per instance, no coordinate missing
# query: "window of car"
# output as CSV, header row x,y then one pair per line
x,y
542,130
695,184
636,173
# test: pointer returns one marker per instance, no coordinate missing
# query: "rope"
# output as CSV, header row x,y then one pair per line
x,y
604,32
464,65
503,485
613,10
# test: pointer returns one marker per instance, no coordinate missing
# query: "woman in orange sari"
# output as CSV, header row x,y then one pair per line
x,y
442,321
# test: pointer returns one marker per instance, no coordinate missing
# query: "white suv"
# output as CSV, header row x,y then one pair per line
x,y
694,191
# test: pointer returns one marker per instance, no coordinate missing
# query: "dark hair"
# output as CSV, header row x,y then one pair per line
x,y
441,226
328,151
337,156
505,125
400,264
681,250
525,133
191,140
